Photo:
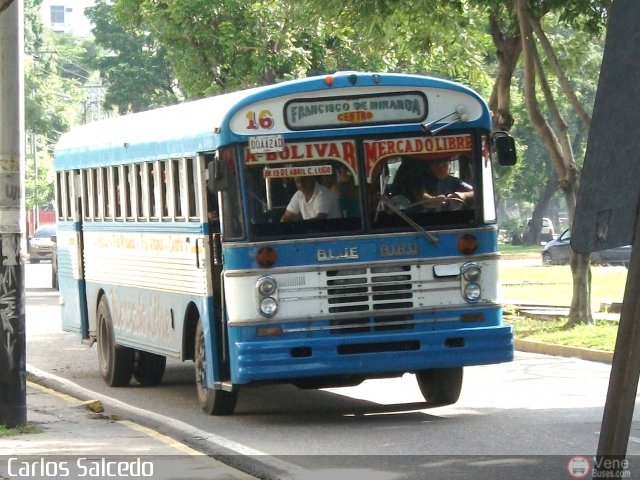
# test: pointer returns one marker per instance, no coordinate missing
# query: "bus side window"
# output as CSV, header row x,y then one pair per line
x,y
93,194
84,182
60,192
192,209
155,193
64,195
148,192
165,211
102,180
122,192
176,183
138,173
130,198
111,179
231,203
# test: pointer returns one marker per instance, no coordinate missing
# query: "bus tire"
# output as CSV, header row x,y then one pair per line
x,y
148,368
212,401
115,362
440,386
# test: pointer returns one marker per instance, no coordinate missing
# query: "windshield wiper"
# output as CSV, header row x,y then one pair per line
x,y
429,236
459,115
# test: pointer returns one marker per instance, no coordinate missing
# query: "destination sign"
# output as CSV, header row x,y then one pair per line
x,y
376,150
343,150
287,172
328,112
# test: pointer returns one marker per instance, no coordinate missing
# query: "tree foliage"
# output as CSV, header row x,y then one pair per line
x,y
44,108
234,44
133,64
47,114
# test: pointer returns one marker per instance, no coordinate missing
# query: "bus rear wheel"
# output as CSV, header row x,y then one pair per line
x,y
440,386
115,362
212,401
148,368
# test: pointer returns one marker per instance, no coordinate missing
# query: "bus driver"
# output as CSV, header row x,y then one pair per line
x,y
442,185
312,200
432,186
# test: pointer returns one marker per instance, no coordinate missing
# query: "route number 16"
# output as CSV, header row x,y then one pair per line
x,y
264,122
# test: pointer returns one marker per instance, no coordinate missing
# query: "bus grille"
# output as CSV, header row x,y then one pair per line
x,y
378,289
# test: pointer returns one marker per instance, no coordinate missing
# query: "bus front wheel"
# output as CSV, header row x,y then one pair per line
x,y
148,368
115,362
212,401
440,386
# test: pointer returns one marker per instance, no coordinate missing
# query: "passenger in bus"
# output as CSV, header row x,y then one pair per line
x,y
346,191
282,189
312,200
213,215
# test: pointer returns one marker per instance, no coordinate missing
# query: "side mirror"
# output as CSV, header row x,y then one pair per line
x,y
54,238
505,147
218,175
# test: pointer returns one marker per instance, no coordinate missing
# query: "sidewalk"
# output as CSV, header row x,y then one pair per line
x,y
79,438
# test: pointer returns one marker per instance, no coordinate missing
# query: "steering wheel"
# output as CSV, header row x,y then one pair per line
x,y
452,204
400,202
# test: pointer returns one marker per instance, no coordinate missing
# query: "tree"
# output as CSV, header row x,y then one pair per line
x,y
47,114
579,53
4,4
447,38
555,135
235,44
132,62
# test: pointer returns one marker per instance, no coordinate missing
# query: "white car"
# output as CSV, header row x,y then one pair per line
x,y
547,232
41,244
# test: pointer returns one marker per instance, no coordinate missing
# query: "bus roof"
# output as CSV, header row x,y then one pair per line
x,y
203,125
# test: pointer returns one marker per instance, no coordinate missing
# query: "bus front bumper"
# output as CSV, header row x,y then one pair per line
x,y
393,354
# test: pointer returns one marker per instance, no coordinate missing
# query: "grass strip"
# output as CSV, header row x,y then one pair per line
x,y
599,336
25,429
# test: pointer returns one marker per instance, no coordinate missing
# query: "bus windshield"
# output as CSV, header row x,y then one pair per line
x,y
307,188
340,187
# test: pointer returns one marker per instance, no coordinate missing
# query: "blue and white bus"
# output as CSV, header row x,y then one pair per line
x,y
171,240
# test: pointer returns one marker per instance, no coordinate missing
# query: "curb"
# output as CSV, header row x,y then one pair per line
x,y
248,461
589,354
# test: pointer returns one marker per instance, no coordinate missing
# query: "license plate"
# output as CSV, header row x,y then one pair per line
x,y
266,144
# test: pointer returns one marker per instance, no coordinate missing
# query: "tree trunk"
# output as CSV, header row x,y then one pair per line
x,y
508,49
580,311
561,158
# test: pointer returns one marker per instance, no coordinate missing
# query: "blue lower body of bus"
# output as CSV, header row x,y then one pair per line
x,y
306,350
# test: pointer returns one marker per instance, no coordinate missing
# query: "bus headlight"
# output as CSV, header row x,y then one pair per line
x,y
266,286
472,292
267,296
471,272
268,306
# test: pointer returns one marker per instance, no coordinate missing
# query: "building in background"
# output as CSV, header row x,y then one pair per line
x,y
67,16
